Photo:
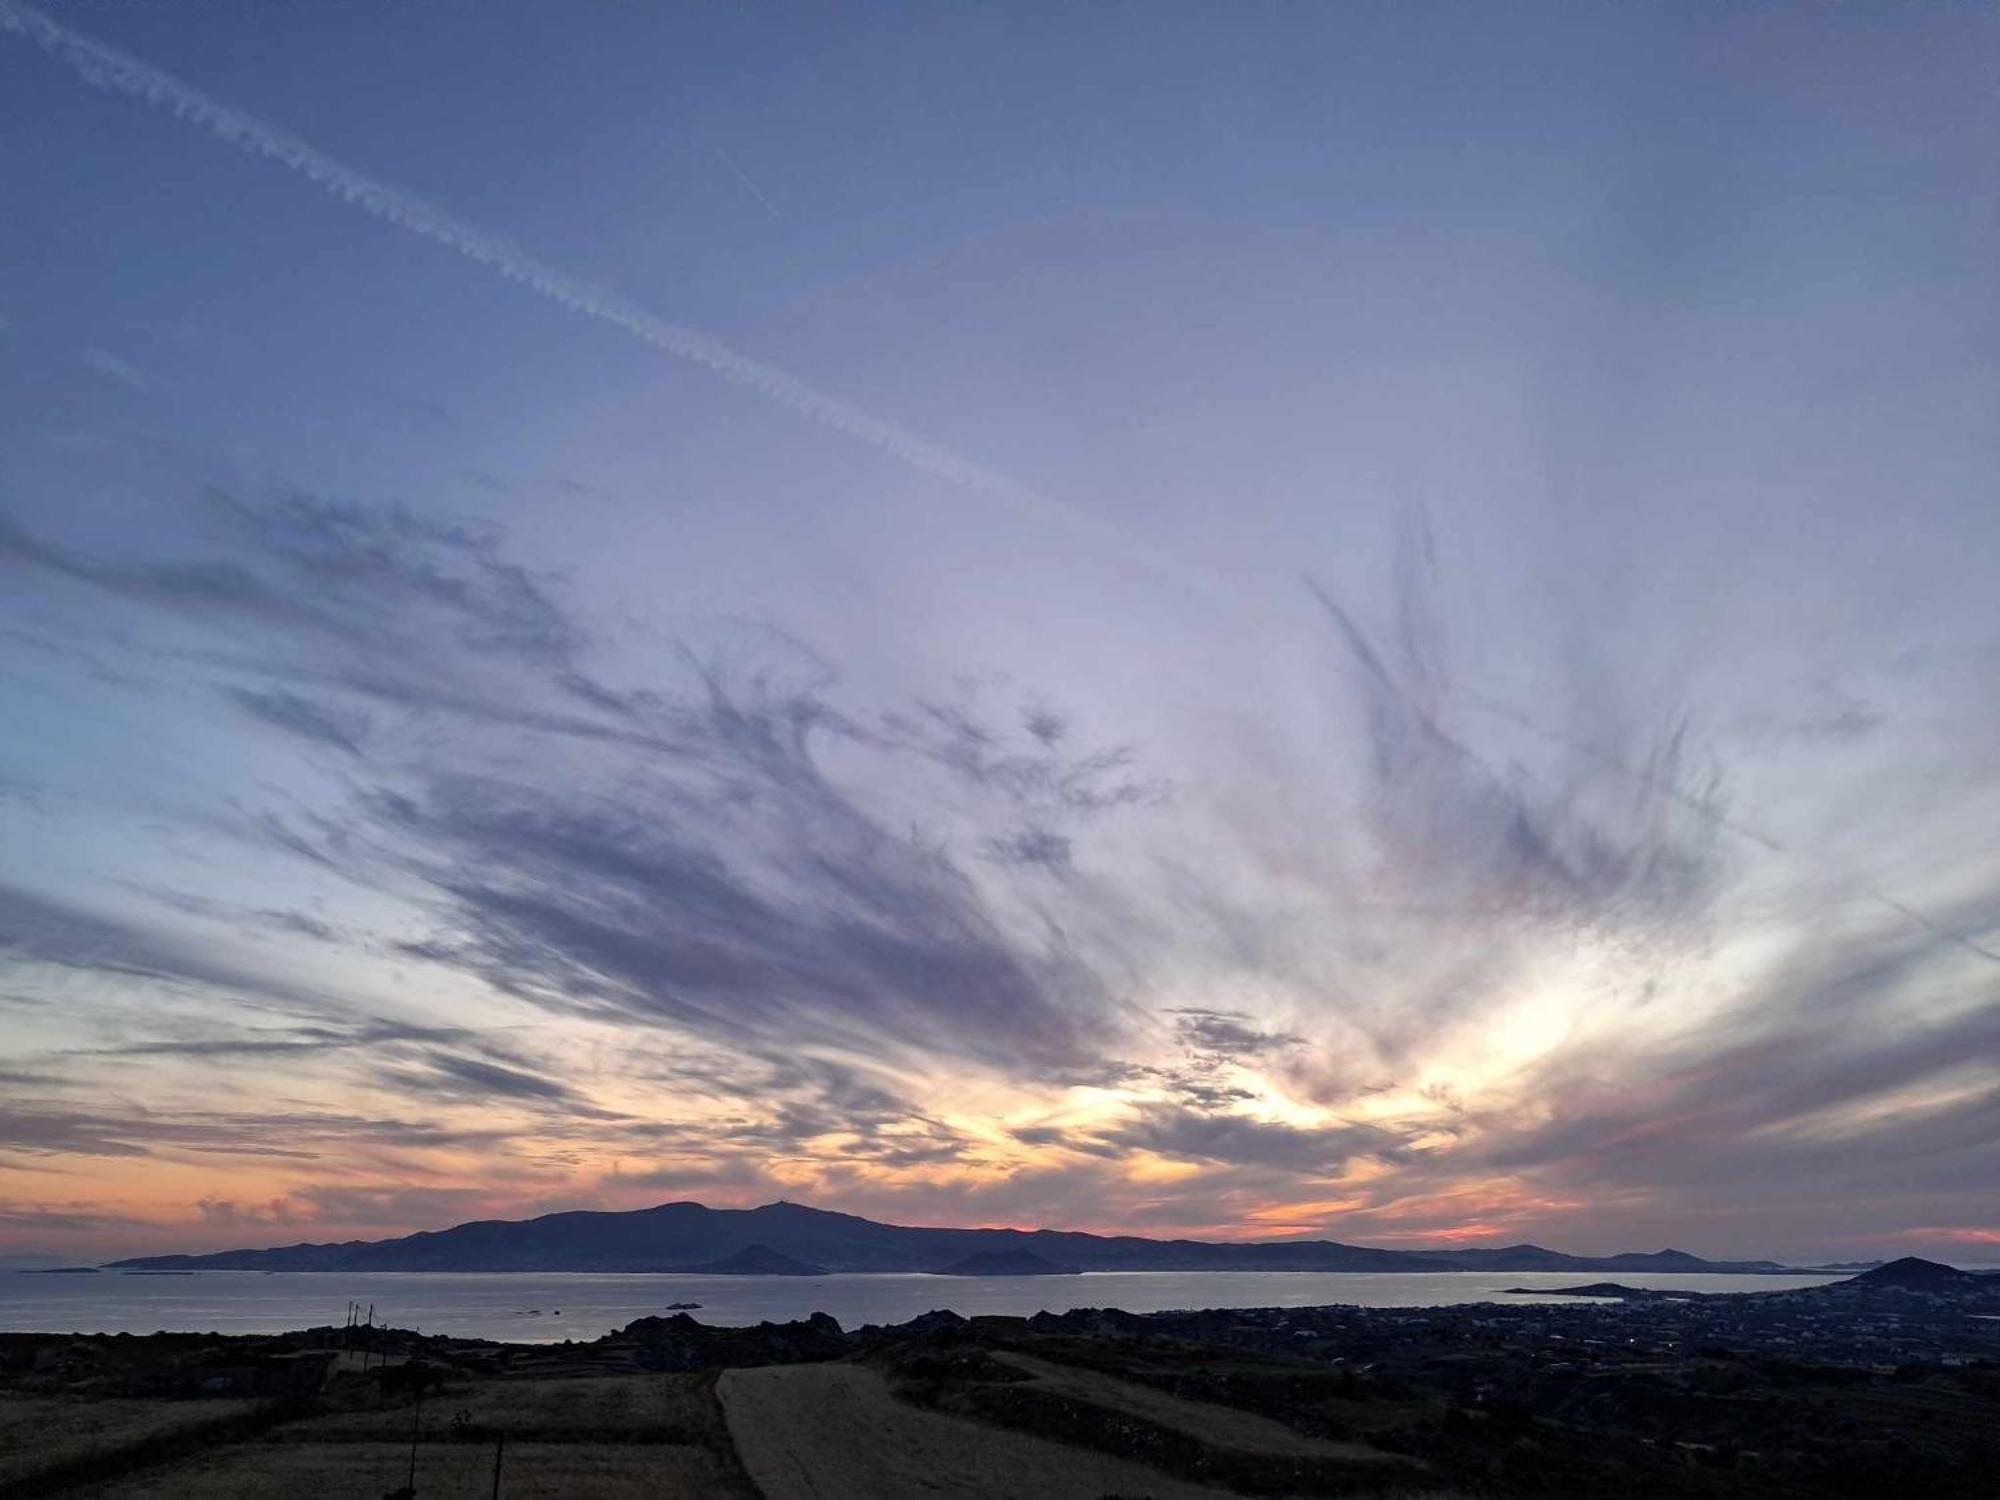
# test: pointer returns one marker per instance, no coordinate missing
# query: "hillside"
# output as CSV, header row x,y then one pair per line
x,y
1006,1263
690,1236
757,1260
1912,1274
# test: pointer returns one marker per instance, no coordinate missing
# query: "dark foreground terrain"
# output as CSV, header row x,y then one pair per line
x,y
1862,1389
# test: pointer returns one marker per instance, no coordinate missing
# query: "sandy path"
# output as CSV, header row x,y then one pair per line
x,y
833,1432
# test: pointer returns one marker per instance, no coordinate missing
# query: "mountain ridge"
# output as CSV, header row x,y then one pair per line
x,y
691,1238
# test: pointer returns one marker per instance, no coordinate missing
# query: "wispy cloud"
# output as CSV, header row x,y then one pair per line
x,y
37,930
716,866
329,724
111,367
695,865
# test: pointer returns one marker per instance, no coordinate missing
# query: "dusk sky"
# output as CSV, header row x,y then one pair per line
x,y
1369,621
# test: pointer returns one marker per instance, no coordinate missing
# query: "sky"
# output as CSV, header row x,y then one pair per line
x,y
1376,621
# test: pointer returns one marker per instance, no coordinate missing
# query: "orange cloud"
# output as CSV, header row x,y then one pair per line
x,y
1962,1235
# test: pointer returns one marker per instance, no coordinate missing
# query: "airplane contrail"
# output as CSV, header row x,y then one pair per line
x,y
745,178
119,72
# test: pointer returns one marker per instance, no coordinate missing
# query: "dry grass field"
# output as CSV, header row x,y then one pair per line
x,y
446,1471
36,1432
1218,1426
592,1437
935,1415
656,1408
834,1432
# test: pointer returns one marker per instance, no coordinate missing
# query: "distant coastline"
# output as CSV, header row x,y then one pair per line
x,y
792,1239
500,1305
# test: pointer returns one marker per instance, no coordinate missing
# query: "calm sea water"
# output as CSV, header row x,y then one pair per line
x,y
548,1308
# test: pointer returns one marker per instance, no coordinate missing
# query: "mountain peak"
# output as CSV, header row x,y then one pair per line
x,y
785,1209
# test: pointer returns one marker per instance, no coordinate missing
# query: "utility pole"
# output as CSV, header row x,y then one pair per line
x,y
499,1444
416,1421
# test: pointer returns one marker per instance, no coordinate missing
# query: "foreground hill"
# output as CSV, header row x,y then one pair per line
x,y
692,1238
1911,1274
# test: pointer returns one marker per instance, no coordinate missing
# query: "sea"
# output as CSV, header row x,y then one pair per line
x,y
552,1307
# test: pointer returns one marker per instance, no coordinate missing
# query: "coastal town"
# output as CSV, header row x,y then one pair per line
x,y
1616,1330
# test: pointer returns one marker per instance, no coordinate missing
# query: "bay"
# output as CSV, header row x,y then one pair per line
x,y
550,1307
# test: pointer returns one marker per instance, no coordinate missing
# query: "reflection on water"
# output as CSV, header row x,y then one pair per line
x,y
544,1308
